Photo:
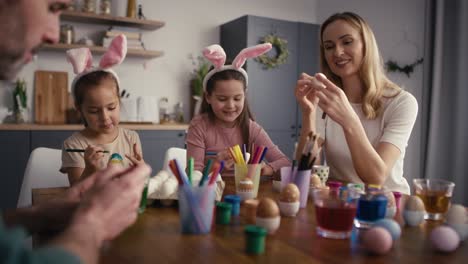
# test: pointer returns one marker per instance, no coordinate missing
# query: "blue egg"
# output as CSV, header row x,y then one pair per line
x,y
391,226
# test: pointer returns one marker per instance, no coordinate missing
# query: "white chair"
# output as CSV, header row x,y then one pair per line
x,y
175,153
42,171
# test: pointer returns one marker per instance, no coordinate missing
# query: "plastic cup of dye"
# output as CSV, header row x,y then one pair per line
x,y
196,204
255,239
223,213
371,207
335,212
234,200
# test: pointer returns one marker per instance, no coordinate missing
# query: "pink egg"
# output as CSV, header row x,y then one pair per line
x,y
444,239
377,240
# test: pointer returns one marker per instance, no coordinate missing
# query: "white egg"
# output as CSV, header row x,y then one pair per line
x,y
163,175
461,229
457,214
413,218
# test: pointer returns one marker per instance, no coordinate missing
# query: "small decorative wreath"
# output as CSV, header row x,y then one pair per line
x,y
393,66
281,46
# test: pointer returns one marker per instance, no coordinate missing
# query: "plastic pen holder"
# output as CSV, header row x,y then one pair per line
x,y
287,176
244,173
196,206
302,181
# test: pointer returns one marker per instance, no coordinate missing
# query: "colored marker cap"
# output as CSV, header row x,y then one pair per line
x,y
223,213
234,200
255,239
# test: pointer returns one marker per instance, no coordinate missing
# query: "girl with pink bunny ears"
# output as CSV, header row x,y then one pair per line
x,y
225,118
96,94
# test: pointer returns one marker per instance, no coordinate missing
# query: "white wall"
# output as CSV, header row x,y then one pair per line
x,y
398,26
190,26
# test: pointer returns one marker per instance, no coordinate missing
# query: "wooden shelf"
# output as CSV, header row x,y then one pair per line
x,y
91,18
147,54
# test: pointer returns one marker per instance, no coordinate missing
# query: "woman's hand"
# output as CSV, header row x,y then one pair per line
x,y
94,158
137,157
305,95
334,102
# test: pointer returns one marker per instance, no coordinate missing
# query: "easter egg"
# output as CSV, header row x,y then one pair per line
x,y
444,238
267,208
315,181
391,226
377,240
414,211
413,218
289,194
457,214
115,160
414,203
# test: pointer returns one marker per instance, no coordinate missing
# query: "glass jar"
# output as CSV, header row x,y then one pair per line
x,y
179,112
105,7
67,34
89,6
131,9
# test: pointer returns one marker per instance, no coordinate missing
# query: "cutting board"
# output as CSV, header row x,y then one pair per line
x,y
50,97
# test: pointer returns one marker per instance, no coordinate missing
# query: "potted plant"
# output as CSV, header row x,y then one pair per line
x,y
201,68
19,101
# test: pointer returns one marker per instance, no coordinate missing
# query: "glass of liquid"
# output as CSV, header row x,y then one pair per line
x,y
436,195
335,212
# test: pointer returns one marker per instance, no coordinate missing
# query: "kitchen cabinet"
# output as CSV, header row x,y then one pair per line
x,y
271,92
96,19
14,155
18,144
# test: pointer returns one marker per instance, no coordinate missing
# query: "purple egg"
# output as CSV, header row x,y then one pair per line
x,y
444,238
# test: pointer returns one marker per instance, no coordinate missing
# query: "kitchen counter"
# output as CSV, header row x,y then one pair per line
x,y
133,126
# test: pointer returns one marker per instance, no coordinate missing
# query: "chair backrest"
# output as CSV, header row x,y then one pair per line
x,y
175,153
42,171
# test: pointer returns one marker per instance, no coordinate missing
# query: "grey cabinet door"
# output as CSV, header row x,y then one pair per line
x,y
271,92
155,144
49,138
14,154
309,61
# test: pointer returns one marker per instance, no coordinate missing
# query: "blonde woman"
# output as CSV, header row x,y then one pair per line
x,y
365,118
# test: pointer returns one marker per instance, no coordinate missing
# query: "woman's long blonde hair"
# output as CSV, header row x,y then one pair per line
x,y
371,71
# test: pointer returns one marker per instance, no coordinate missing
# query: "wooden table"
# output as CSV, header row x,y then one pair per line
x,y
156,237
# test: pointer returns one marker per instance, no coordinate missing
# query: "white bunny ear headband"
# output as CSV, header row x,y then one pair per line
x,y
82,61
215,53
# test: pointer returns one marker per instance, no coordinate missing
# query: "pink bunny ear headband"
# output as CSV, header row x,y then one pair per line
x,y
82,61
215,53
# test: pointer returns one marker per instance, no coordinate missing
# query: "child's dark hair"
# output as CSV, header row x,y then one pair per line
x,y
91,80
246,114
